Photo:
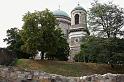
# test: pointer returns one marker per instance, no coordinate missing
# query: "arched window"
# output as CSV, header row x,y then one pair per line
x,y
76,19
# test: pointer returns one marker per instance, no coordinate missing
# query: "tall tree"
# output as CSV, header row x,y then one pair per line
x,y
40,33
14,41
106,20
29,33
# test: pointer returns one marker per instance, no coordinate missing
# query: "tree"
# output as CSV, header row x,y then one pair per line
x,y
29,33
40,33
63,46
90,48
15,42
13,38
104,45
106,20
101,50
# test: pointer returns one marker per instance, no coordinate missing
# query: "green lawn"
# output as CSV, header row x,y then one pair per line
x,y
67,68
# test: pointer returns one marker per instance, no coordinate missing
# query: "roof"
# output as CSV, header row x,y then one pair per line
x,y
60,13
78,7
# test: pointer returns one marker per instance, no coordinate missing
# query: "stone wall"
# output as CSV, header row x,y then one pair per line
x,y
11,74
6,56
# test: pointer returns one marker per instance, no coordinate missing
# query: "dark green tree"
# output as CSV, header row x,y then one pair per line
x,y
89,49
101,50
13,39
14,42
63,46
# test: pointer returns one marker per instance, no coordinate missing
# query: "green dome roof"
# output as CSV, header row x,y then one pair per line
x,y
60,13
78,7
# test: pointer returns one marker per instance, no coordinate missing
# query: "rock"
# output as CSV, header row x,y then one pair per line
x,y
7,57
10,74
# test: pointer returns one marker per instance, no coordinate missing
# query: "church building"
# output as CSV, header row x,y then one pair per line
x,y
74,27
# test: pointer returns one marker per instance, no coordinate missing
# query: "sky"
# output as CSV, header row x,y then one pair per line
x,y
12,11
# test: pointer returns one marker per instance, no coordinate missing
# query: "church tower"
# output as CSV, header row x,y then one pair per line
x,y
78,29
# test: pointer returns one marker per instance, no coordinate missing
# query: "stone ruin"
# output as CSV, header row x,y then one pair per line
x,y
6,56
11,74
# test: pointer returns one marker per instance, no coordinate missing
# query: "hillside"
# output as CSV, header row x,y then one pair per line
x,y
67,68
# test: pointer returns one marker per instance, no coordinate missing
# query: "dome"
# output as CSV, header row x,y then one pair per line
x,y
78,7
60,13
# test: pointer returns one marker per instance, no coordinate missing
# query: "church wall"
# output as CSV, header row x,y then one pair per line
x,y
65,28
64,25
75,38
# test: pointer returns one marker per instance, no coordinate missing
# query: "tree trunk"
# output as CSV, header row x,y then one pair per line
x,y
42,55
108,34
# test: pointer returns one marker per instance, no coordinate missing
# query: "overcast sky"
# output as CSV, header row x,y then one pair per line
x,y
12,11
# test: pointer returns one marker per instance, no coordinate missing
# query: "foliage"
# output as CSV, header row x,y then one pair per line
x,y
63,49
106,20
89,50
79,57
14,41
104,45
102,50
40,33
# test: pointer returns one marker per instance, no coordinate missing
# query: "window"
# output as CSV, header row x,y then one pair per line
x,y
76,19
77,40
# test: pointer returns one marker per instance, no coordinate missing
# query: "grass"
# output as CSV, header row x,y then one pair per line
x,y
67,68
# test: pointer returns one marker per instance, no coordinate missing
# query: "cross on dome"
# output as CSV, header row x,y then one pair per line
x,y
78,3
59,7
